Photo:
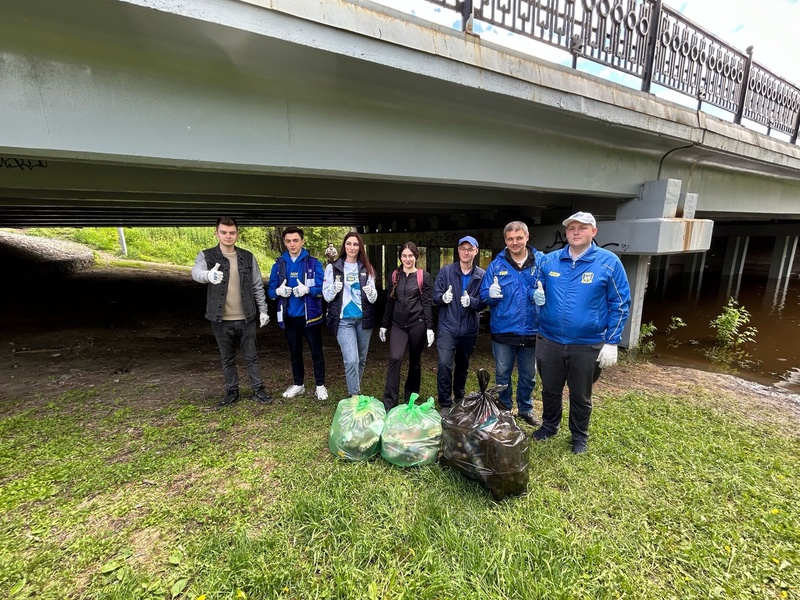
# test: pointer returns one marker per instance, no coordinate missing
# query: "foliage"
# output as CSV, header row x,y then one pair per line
x,y
731,335
127,498
675,324
180,245
646,345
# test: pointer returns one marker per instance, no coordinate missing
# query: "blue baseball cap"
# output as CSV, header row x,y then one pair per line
x,y
469,239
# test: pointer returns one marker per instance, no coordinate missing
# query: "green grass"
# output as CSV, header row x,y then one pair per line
x,y
175,245
104,496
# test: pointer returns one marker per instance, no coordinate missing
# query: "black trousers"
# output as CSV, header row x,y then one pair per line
x,y
229,336
574,365
295,330
399,338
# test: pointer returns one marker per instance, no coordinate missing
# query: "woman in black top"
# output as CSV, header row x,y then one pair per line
x,y
409,313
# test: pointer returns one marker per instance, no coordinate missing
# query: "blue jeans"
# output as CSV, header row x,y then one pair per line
x,y
354,342
453,369
525,356
230,334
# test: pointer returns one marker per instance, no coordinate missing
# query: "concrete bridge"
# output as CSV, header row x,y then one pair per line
x,y
160,112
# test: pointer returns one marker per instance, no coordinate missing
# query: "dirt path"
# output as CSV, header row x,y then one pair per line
x,y
142,330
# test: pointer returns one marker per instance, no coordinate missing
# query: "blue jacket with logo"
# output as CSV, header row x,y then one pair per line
x,y
586,301
308,270
515,312
454,318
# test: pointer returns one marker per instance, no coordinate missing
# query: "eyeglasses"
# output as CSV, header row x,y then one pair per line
x,y
467,249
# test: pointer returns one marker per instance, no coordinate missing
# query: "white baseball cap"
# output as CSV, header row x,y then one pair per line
x,y
581,217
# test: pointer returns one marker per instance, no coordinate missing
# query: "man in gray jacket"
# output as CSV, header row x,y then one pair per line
x,y
234,301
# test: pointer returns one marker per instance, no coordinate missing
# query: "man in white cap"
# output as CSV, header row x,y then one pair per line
x,y
584,300
457,290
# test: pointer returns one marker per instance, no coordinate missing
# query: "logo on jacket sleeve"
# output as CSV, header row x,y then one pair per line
x,y
587,278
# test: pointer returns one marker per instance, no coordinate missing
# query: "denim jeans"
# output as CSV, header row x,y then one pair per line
x,y
525,356
354,343
453,369
574,365
229,334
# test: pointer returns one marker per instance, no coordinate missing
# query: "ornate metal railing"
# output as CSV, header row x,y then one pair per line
x,y
653,42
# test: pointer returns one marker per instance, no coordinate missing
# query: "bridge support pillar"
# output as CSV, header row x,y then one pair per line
x,y
732,266
375,256
693,274
434,260
783,257
637,267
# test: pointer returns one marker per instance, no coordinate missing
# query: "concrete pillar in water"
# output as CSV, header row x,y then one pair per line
x,y
693,274
434,260
733,265
780,271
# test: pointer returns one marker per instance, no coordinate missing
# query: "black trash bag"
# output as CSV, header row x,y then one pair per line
x,y
481,440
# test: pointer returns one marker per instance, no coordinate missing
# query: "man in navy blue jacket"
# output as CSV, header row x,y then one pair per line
x,y
584,304
507,289
457,291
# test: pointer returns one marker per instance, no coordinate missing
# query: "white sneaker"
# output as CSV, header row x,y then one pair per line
x,y
294,390
322,392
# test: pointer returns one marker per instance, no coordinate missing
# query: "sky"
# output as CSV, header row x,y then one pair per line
x,y
770,26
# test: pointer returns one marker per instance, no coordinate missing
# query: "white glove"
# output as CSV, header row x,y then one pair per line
x,y
495,291
214,276
382,334
300,290
430,337
538,294
447,297
371,293
337,285
607,356
264,318
465,299
283,290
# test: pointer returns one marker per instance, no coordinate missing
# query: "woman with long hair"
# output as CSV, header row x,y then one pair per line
x,y
410,316
349,289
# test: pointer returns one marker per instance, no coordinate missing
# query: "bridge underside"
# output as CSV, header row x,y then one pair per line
x,y
153,112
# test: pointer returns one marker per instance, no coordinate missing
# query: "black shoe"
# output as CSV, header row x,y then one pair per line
x,y
262,397
542,434
230,398
580,447
529,419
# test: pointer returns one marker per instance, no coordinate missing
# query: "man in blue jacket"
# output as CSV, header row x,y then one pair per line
x,y
507,289
296,283
457,290
234,302
584,305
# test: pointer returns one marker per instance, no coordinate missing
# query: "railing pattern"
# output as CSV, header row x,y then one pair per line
x,y
653,42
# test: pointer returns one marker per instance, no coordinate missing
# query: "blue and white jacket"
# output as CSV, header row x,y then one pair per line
x,y
307,270
587,301
514,313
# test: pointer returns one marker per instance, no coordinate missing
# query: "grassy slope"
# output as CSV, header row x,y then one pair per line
x,y
113,499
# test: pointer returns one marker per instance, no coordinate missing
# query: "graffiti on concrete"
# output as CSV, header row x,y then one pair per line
x,y
23,164
560,242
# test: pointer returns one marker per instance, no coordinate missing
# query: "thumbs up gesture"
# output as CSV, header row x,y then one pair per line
x,y
283,291
447,297
465,299
495,291
214,276
538,294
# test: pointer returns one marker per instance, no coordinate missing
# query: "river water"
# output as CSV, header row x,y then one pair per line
x,y
774,312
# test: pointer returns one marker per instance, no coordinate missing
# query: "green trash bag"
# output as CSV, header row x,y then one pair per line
x,y
412,435
356,428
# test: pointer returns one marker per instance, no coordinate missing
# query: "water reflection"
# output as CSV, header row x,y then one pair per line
x,y
774,311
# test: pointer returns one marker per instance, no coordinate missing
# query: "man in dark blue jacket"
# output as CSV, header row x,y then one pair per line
x,y
457,291
584,304
234,302
296,283
507,289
